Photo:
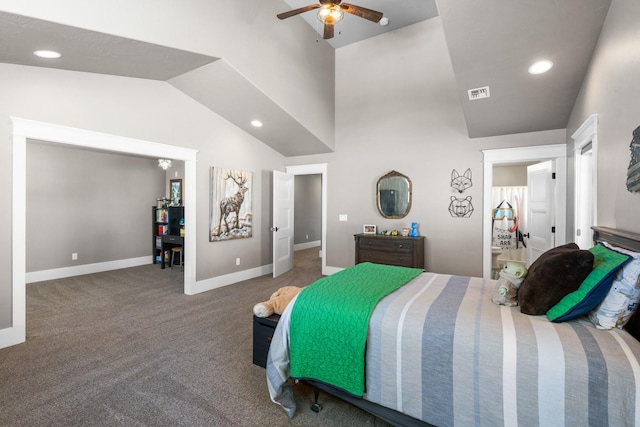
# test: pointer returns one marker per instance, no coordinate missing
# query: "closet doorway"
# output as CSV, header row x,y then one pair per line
x,y
522,156
509,196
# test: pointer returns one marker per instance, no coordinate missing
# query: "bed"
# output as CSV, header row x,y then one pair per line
x,y
440,353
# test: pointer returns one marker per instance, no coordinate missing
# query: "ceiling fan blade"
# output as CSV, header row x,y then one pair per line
x,y
362,12
295,12
328,28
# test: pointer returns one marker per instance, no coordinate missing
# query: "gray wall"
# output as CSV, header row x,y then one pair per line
x,y
611,89
512,175
284,61
152,111
397,108
308,209
97,205
155,111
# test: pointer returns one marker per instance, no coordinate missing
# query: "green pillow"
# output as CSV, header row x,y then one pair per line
x,y
594,288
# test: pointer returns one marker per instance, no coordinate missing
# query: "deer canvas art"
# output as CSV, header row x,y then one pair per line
x,y
230,211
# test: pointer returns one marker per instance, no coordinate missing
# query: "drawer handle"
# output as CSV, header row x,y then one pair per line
x,y
400,245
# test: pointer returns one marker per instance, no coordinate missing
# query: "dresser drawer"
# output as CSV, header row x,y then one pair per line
x,y
386,245
389,258
390,250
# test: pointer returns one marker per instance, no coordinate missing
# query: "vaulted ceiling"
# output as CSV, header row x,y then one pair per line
x,y
491,43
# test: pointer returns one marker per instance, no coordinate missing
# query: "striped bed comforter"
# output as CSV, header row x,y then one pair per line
x,y
439,350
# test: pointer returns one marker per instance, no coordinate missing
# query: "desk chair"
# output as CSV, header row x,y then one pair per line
x,y
177,250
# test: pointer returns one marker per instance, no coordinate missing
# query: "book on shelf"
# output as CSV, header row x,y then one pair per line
x,y
163,229
162,215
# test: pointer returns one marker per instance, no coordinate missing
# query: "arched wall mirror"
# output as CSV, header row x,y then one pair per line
x,y
393,195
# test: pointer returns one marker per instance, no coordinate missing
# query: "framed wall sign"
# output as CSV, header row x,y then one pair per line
x,y
230,210
175,191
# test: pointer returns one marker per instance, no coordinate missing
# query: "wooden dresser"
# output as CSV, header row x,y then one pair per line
x,y
396,250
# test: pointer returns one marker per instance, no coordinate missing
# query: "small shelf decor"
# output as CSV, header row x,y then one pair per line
x,y
369,229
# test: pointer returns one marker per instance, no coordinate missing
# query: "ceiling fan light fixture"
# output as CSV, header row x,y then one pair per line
x,y
330,10
164,164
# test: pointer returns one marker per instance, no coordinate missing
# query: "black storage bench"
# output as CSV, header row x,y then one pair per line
x,y
263,329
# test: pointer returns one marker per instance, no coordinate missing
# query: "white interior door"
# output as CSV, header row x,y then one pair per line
x,y
585,188
585,149
540,219
282,222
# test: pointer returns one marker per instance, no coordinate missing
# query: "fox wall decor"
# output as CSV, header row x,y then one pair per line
x,y
461,182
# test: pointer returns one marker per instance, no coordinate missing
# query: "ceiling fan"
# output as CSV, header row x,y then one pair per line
x,y
332,11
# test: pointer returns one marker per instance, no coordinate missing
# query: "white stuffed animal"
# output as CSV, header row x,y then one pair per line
x,y
506,290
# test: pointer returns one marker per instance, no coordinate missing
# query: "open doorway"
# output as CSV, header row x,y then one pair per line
x,y
319,171
308,212
24,130
510,156
509,197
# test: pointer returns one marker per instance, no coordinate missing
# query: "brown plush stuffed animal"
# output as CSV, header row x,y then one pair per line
x,y
277,303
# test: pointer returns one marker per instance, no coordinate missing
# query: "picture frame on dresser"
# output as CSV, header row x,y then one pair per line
x,y
369,229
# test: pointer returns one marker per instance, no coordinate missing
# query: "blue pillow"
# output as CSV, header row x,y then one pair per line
x,y
594,288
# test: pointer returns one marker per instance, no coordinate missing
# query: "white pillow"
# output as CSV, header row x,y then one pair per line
x,y
622,299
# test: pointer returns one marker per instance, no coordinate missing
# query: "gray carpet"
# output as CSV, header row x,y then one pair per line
x,y
128,348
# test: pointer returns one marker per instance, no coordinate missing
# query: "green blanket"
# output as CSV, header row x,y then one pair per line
x,y
330,319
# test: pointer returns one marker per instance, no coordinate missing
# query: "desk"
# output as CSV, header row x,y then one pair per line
x,y
168,241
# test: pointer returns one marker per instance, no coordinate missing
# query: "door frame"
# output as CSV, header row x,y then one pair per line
x,y
24,129
557,152
585,134
317,169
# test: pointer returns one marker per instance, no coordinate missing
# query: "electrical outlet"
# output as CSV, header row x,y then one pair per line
x,y
237,261
307,237
74,256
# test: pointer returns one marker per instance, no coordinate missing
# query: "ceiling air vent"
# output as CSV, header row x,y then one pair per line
x,y
479,93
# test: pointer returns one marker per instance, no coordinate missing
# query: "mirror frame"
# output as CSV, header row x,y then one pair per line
x,y
392,174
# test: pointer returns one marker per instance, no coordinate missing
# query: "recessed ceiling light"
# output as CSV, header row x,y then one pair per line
x,y
256,123
49,54
541,67
384,21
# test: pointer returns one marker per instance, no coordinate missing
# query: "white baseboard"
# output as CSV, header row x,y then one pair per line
x,y
230,279
328,271
306,245
59,273
12,335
